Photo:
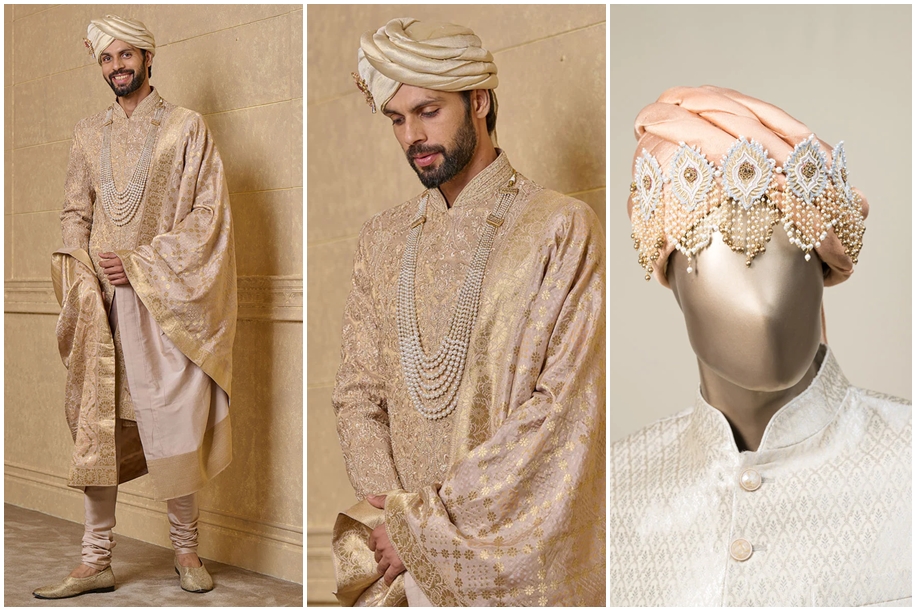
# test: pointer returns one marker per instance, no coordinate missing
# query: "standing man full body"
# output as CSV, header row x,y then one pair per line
x,y
147,285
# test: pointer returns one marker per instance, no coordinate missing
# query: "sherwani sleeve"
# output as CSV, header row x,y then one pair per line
x,y
519,518
79,197
359,391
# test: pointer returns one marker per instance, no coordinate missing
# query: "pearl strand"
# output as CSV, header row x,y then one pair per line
x,y
122,206
433,380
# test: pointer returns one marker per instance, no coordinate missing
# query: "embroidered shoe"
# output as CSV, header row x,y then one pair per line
x,y
194,578
103,581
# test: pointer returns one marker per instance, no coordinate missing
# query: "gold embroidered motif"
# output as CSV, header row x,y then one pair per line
x,y
746,171
518,461
188,277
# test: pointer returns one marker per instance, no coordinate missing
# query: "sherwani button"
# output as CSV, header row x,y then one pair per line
x,y
750,480
741,550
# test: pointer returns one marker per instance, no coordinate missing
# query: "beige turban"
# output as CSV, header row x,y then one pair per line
x,y
711,119
102,32
440,56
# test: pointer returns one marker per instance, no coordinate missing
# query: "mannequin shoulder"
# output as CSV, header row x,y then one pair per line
x,y
883,409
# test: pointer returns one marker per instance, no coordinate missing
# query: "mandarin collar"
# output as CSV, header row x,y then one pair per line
x,y
805,415
145,108
480,188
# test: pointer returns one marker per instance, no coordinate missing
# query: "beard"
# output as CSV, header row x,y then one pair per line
x,y
135,83
454,159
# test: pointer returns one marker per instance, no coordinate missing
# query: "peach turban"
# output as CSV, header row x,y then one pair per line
x,y
711,119
440,56
102,32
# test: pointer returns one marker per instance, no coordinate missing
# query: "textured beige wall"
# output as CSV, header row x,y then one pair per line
x,y
240,67
551,122
845,71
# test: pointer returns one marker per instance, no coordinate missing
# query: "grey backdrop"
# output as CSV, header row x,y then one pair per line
x,y
845,71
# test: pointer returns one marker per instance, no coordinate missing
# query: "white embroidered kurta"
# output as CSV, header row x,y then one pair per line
x,y
820,514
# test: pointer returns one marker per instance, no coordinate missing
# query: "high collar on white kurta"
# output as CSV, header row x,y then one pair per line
x,y
481,187
802,417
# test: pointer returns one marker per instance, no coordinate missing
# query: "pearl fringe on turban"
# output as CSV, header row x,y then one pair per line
x,y
440,56
102,32
712,118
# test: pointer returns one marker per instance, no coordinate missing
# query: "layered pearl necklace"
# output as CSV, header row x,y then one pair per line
x,y
432,381
122,206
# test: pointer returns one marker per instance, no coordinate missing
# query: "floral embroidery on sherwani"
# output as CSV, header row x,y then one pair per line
x,y
177,251
501,502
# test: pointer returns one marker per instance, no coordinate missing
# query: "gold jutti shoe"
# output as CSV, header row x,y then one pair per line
x,y
194,578
103,581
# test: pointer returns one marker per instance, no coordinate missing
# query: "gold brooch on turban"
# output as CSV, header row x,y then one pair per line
x,y
747,193
440,56
102,32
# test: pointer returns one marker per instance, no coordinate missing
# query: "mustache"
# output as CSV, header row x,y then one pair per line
x,y
418,150
121,73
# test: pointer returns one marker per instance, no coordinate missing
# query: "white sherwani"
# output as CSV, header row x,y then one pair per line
x,y
820,514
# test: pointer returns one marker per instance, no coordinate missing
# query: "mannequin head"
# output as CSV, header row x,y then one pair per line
x,y
714,163
758,327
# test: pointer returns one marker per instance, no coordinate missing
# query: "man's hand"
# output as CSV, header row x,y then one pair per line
x,y
113,268
389,564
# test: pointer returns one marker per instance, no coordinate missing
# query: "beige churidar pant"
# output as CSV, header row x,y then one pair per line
x,y
179,383
100,520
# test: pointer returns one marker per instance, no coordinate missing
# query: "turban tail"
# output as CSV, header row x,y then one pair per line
x,y
443,57
711,119
102,32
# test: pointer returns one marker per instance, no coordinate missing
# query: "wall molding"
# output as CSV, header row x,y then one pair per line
x,y
274,298
261,546
321,581
29,297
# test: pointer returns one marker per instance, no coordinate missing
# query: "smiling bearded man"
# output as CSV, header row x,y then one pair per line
x,y
147,286
470,395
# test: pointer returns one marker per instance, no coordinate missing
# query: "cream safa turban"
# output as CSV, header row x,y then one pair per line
x,y
102,32
712,119
440,56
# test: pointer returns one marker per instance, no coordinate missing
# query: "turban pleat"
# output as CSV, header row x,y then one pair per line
x,y
443,57
103,32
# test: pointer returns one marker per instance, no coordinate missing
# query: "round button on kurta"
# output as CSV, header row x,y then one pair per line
x,y
741,550
750,480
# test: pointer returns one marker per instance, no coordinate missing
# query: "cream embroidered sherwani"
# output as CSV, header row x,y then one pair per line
x,y
168,364
819,515
502,502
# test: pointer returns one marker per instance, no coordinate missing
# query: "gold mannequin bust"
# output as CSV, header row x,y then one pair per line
x,y
755,330
783,484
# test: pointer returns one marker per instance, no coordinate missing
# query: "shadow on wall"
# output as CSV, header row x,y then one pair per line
x,y
574,116
571,152
247,487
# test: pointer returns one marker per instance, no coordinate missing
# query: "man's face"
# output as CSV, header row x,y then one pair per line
x,y
123,67
435,130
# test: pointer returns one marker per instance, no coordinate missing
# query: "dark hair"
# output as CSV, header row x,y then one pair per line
x,y
491,115
149,69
